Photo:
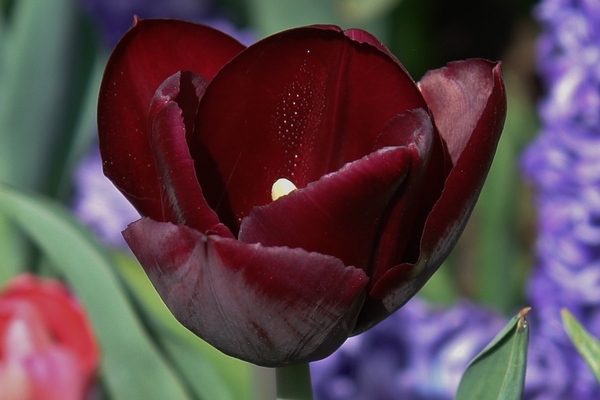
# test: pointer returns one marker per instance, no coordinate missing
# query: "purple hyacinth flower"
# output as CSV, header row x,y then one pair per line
x,y
564,166
418,353
115,17
98,204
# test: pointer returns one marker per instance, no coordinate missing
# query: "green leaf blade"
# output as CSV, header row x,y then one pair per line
x,y
270,16
498,371
131,365
586,345
211,374
34,67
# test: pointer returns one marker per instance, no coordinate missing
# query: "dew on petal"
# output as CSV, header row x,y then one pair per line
x,y
297,120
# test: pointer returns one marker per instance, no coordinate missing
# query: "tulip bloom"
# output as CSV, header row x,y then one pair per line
x,y
47,348
197,131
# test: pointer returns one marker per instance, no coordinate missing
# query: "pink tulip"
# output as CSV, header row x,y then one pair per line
x,y
47,348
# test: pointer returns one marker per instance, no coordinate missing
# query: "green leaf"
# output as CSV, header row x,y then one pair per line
x,y
131,365
441,287
498,372
586,345
13,255
270,16
501,255
210,373
85,131
412,37
35,72
34,38
364,10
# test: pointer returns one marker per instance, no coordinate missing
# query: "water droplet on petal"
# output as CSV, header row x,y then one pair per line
x,y
281,187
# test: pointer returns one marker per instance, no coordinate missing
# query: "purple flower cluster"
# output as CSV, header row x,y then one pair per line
x,y
418,353
564,166
114,17
98,204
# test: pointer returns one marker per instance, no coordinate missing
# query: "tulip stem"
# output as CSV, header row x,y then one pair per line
x,y
293,383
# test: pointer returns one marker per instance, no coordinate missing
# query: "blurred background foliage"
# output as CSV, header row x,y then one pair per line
x,y
52,54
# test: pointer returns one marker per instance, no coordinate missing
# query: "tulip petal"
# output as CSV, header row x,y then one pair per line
x,y
342,213
54,374
270,306
365,37
299,104
402,219
172,114
471,142
150,52
468,102
466,96
44,347
59,312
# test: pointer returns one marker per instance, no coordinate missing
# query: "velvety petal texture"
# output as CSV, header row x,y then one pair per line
x,y
469,101
172,111
148,54
295,109
385,171
343,212
268,305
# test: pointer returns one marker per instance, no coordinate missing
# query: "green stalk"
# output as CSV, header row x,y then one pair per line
x,y
293,383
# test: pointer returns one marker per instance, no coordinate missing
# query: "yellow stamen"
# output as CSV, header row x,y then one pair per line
x,y
281,187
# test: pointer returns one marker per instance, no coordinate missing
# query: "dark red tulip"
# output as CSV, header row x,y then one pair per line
x,y
195,129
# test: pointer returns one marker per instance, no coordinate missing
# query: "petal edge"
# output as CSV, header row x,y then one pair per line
x,y
269,306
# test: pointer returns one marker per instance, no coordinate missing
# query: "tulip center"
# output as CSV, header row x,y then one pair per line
x,y
281,187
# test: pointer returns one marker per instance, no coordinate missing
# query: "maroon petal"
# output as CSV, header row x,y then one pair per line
x,y
465,96
468,102
365,37
471,134
343,213
172,114
397,231
299,104
269,306
150,52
